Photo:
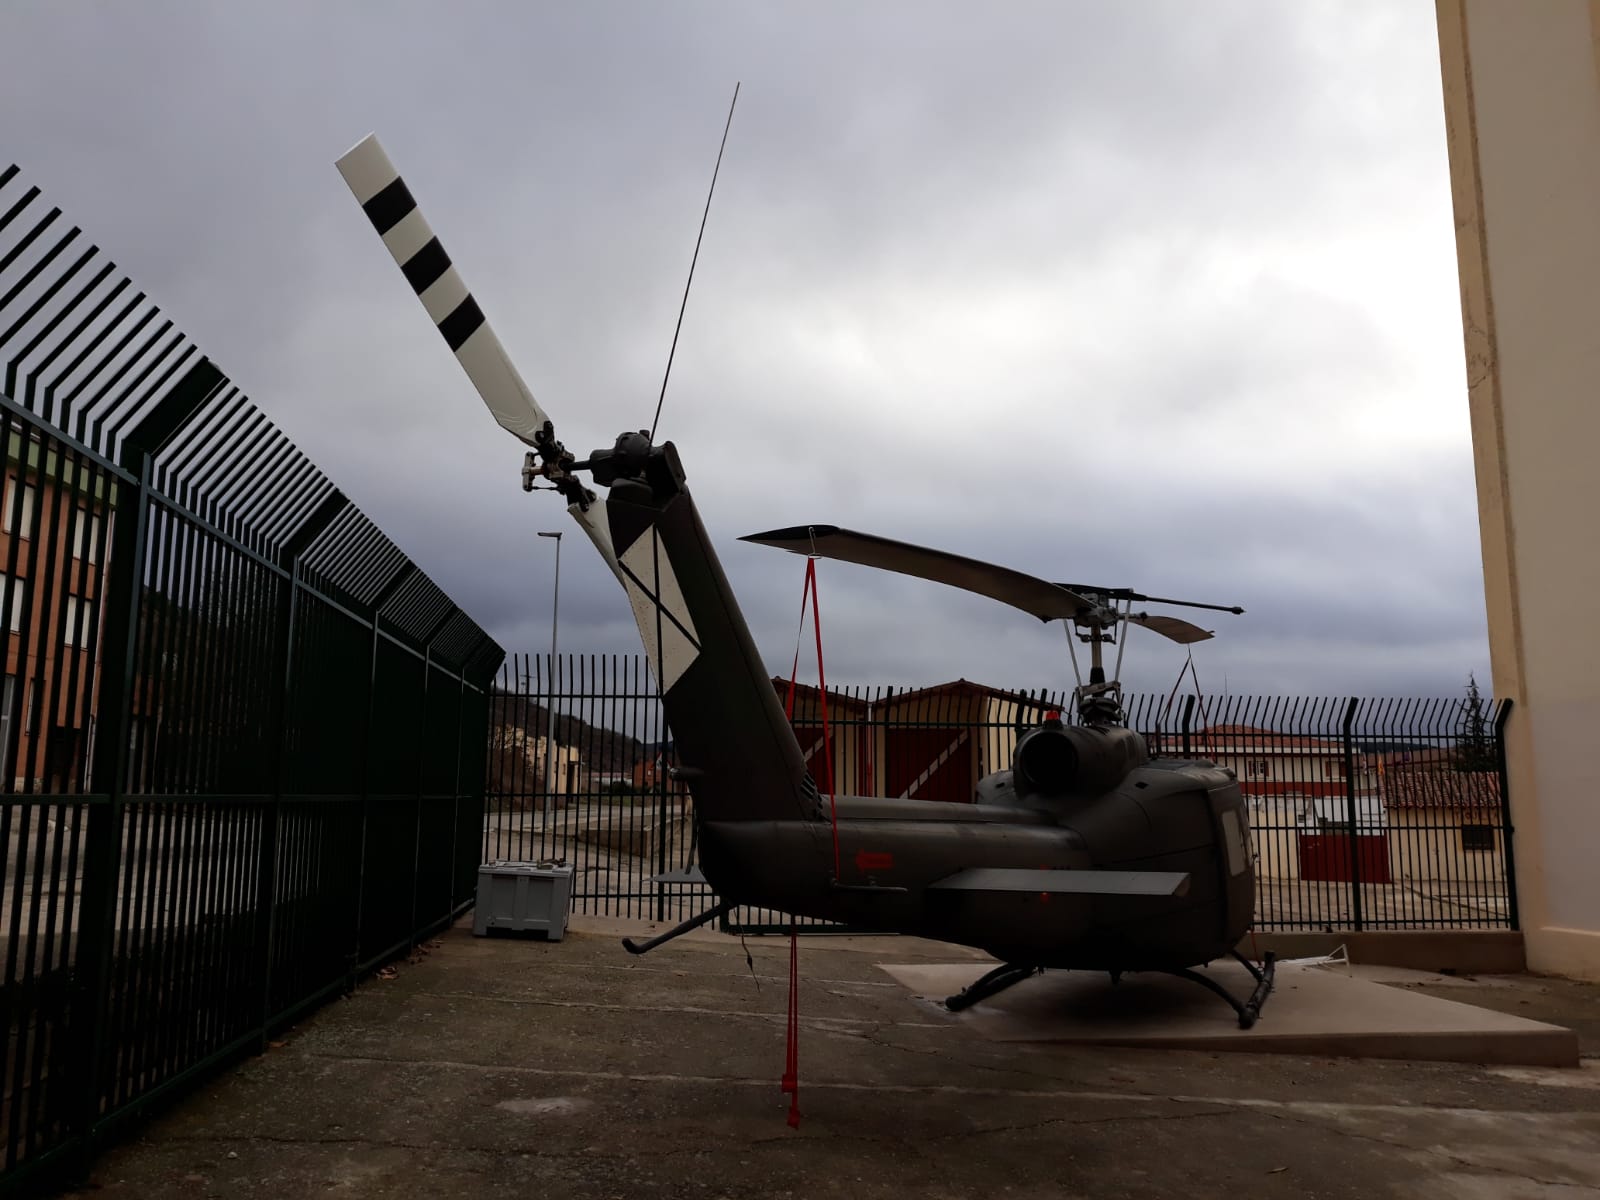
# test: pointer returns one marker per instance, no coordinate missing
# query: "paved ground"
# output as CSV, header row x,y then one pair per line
x,y
517,1068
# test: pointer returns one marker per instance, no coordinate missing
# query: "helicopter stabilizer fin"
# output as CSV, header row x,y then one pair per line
x,y
1067,882
684,875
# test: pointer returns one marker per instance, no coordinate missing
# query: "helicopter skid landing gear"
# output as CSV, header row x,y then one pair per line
x,y
995,982
1249,1010
705,918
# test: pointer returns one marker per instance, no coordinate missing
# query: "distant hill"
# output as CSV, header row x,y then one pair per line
x,y
604,751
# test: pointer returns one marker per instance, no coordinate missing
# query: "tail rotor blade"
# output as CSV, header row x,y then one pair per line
x,y
388,203
415,248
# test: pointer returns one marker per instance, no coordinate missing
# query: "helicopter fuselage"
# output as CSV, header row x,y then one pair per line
x,y
1088,854
897,857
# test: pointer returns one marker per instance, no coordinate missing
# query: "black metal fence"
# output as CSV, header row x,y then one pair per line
x,y
1366,813
241,734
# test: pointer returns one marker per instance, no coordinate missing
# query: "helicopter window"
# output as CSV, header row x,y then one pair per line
x,y
1233,841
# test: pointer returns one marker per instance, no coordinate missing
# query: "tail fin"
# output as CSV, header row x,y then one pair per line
x,y
739,755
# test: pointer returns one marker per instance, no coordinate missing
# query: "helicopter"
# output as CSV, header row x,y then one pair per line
x,y
1088,854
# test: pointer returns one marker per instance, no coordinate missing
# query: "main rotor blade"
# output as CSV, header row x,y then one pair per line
x,y
1179,630
383,195
1141,598
1037,597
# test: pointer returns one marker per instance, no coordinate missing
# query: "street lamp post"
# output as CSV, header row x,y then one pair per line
x,y
550,732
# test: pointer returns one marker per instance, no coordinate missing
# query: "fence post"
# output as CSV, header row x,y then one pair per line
x,y
1507,858
422,763
1351,815
455,789
293,550
1188,712
669,750
402,576
102,857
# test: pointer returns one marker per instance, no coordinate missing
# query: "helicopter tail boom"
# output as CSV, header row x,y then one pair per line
x,y
719,701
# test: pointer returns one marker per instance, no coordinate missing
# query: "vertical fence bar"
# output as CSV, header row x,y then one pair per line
x,y
669,753
293,551
387,593
266,893
103,836
455,783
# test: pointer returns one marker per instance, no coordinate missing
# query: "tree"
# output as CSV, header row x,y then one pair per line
x,y
1475,746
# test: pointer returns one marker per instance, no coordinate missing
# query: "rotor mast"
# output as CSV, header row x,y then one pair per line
x,y
1099,701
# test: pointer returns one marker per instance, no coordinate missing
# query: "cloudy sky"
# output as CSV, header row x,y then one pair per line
x,y
1155,294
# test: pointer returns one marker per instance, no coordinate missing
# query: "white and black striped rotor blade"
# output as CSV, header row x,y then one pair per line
x,y
388,203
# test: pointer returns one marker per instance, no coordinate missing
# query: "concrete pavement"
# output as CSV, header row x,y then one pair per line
x,y
504,1067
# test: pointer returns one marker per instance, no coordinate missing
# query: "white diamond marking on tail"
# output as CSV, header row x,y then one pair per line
x,y
598,527
658,603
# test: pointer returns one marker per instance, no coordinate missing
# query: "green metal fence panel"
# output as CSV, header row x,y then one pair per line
x,y
241,735
1365,813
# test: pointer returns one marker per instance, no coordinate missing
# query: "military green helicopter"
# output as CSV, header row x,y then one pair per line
x,y
1088,854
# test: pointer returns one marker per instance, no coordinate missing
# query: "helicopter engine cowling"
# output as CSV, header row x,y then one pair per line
x,y
1081,760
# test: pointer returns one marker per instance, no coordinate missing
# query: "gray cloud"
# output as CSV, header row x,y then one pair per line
x,y
1153,294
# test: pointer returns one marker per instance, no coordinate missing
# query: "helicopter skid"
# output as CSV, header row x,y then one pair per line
x,y
1010,974
996,981
1249,1010
705,918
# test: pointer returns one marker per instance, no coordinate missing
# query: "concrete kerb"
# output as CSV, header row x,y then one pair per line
x,y
1449,952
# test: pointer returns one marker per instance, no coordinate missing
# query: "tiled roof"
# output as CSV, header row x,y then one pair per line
x,y
1252,739
1439,789
966,687
806,691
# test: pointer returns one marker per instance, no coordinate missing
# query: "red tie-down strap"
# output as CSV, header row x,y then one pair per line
x,y
791,1065
809,592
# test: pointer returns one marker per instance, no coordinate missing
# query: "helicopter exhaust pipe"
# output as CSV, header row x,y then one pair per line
x,y
1075,760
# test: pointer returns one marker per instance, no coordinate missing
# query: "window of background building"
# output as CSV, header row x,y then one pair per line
x,y
26,515
75,629
8,698
1477,837
86,535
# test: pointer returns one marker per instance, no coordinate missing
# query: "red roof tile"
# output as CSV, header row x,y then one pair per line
x,y
1439,789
